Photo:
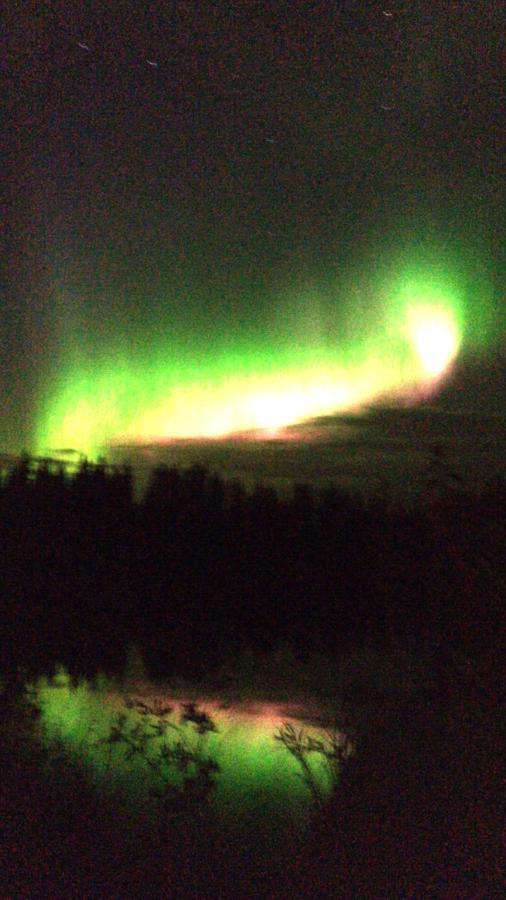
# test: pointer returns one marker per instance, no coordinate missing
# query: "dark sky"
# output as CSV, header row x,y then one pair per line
x,y
171,170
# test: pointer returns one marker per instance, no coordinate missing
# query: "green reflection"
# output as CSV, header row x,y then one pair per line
x,y
257,775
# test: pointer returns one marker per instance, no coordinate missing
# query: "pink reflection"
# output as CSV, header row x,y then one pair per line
x,y
264,716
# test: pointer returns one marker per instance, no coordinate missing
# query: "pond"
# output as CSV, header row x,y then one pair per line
x,y
258,780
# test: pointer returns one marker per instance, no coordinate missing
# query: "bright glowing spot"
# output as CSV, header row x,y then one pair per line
x,y
278,408
434,335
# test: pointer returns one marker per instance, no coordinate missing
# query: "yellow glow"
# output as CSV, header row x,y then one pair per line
x,y
435,338
118,406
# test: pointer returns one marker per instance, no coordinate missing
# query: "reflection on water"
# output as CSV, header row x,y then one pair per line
x,y
258,778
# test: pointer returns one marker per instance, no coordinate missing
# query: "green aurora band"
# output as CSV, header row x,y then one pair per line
x,y
399,343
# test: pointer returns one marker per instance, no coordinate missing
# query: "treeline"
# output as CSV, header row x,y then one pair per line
x,y
199,569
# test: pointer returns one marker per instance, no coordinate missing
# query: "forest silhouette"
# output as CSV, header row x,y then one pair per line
x,y
199,573
199,568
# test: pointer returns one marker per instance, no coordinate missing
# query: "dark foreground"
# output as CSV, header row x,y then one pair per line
x,y
199,574
416,814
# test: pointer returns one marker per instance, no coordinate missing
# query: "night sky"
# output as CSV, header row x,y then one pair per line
x,y
233,217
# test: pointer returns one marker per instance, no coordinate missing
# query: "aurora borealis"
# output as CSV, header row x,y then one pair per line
x,y
252,446
234,221
260,388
